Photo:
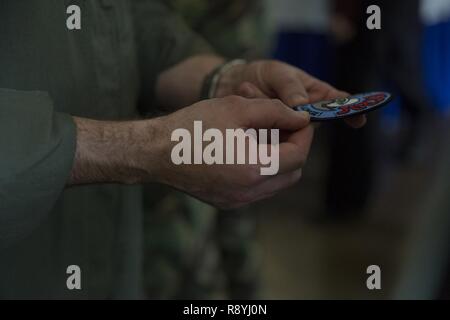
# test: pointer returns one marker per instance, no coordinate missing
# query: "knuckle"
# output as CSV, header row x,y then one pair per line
x,y
290,81
252,176
278,103
272,64
272,105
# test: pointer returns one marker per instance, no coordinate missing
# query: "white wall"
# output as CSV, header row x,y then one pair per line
x,y
434,11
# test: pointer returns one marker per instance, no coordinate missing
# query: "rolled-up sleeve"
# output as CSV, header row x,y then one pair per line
x,y
163,40
37,148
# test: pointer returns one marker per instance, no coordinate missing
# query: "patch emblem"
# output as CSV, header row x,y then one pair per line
x,y
346,107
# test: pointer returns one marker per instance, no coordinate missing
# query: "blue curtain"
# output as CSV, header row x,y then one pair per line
x,y
436,53
312,52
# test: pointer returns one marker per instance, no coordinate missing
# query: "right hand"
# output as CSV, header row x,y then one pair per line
x,y
231,186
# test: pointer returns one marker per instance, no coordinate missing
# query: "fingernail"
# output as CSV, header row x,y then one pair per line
x,y
298,99
305,115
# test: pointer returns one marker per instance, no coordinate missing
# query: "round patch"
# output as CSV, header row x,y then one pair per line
x,y
346,107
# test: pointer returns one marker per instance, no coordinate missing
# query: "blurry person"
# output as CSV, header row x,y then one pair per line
x,y
355,71
367,60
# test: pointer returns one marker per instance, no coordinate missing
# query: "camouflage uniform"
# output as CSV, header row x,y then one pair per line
x,y
192,250
235,28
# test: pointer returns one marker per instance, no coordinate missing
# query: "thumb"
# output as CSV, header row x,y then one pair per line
x,y
272,113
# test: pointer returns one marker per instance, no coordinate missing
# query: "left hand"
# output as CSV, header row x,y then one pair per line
x,y
274,79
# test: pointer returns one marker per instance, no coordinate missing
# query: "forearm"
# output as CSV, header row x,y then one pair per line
x,y
116,152
181,85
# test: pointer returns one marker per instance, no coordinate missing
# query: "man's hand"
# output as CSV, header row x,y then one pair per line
x,y
140,151
229,186
180,86
274,79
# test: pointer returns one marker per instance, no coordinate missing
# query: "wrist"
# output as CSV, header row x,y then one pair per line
x,y
149,158
117,152
225,80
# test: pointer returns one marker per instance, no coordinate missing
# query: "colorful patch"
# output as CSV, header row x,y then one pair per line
x,y
346,107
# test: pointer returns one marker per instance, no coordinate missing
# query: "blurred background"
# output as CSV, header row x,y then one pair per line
x,y
376,196
380,195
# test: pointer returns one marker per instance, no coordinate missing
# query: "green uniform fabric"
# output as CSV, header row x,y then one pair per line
x,y
192,251
47,72
235,28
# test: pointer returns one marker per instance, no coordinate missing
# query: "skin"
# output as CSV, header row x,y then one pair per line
x,y
258,95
